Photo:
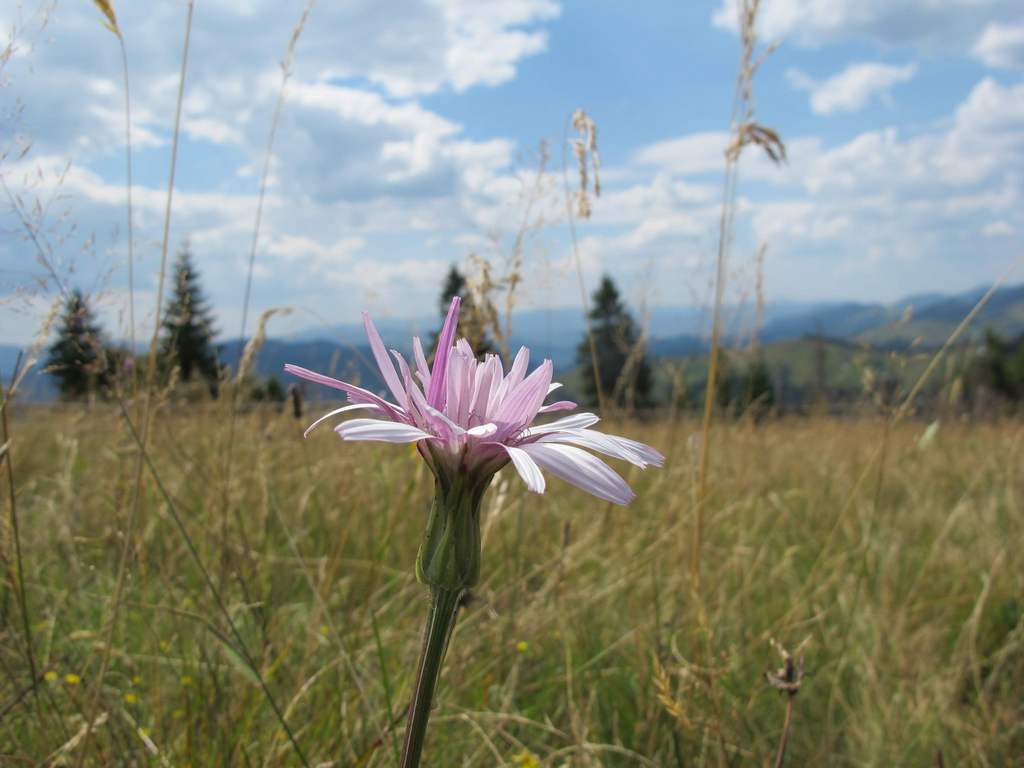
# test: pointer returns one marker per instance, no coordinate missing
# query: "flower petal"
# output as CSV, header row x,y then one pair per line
x,y
576,421
561,405
387,368
383,431
527,469
335,412
576,466
520,406
652,456
355,394
422,369
635,453
436,392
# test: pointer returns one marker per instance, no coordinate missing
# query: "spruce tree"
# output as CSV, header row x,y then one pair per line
x,y
188,326
624,372
77,358
471,325
760,390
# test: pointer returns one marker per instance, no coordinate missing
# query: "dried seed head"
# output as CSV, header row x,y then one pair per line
x,y
584,147
788,677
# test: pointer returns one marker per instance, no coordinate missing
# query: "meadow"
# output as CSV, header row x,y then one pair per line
x,y
888,559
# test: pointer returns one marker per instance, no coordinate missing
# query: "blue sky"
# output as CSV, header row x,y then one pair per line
x,y
409,130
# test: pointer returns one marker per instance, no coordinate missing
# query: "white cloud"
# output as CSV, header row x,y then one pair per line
x,y
922,207
927,24
1001,45
486,40
851,89
695,153
998,229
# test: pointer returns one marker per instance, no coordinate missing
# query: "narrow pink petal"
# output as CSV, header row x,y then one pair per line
x,y
561,405
355,394
514,377
437,391
576,421
382,431
335,412
421,362
651,455
387,368
579,468
527,469
415,401
463,346
482,391
520,406
609,445
453,385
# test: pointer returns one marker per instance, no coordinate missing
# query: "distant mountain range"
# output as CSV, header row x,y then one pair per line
x,y
924,320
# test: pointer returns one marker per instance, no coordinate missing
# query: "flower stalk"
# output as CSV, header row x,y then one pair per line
x,y
448,563
444,607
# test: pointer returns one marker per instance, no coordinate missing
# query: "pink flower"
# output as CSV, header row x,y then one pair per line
x,y
471,416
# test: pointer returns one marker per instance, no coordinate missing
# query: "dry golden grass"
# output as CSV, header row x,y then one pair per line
x,y
912,604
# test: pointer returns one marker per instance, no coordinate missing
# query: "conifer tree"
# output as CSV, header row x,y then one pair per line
x,y
760,391
624,371
77,358
471,326
188,326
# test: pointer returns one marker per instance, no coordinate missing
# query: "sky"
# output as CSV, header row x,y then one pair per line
x,y
409,138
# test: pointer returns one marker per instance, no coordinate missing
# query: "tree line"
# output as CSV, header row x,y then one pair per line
x,y
613,367
85,363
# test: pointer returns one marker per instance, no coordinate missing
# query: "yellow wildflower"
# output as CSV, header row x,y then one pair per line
x,y
526,759
130,698
522,645
50,676
72,679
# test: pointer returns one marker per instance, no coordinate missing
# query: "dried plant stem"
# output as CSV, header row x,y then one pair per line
x,y
19,570
268,154
122,565
742,130
724,235
780,756
577,260
444,608
128,189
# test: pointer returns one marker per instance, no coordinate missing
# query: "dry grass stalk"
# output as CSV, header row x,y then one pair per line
x,y
586,143
488,288
787,680
584,147
743,131
286,72
147,408
257,341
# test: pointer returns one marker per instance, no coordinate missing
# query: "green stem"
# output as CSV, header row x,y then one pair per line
x,y
444,607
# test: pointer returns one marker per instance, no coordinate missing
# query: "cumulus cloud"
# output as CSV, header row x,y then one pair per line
x,y
851,89
927,24
360,167
1001,45
922,206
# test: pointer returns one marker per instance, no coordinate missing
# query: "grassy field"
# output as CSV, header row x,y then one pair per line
x,y
587,643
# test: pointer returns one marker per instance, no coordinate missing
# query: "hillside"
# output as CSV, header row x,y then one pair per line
x,y
676,334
